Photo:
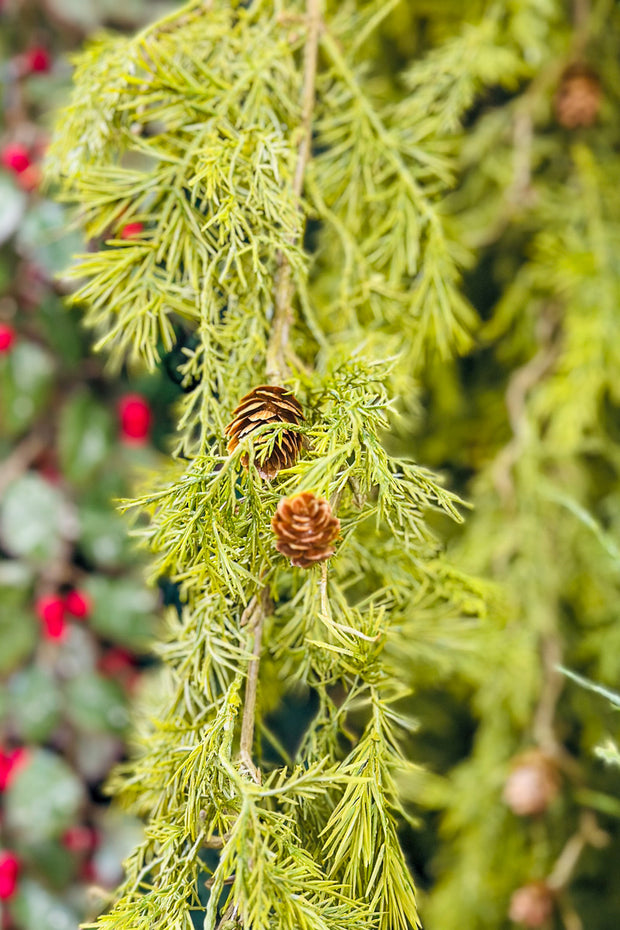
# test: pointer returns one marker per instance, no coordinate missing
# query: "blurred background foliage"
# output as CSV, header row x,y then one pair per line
x,y
76,619
525,426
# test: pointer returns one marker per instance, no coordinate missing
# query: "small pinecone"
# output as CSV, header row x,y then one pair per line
x,y
306,529
578,98
267,403
533,783
532,905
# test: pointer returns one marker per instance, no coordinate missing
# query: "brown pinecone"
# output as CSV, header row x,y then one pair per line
x,y
532,905
267,403
306,529
533,783
578,98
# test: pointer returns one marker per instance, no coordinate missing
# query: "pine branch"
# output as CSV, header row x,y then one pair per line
x,y
253,618
276,365
205,136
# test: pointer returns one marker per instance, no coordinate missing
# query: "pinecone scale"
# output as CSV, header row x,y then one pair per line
x,y
305,529
267,404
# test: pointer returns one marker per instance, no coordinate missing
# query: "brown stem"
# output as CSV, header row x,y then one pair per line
x,y
581,23
229,914
323,590
519,193
277,367
588,834
216,842
553,683
521,383
252,617
581,13
20,459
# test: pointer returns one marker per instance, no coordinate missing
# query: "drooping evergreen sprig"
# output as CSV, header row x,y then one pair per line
x,y
291,221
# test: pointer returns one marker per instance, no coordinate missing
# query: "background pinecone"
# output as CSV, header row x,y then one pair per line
x,y
578,98
267,403
533,783
532,905
305,528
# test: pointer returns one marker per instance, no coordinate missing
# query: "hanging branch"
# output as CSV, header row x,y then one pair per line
x,y
234,117
252,618
277,368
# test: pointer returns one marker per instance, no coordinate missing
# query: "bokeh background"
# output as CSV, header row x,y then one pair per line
x,y
76,617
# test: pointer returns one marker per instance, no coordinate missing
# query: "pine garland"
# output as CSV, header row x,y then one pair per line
x,y
226,130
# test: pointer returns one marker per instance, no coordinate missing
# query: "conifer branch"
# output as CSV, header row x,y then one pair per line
x,y
522,381
276,364
588,834
219,188
177,18
552,685
253,618
381,130
581,12
277,367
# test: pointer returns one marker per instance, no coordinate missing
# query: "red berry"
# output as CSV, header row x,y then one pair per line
x,y
50,609
37,59
131,230
135,418
116,661
55,629
7,338
88,872
78,604
80,839
9,872
30,178
16,158
10,762
50,473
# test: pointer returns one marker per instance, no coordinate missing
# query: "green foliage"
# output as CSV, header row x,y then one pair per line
x,y
298,228
197,129
535,416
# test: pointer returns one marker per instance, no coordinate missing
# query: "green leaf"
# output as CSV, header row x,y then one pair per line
x,y
18,630
15,574
104,538
61,331
34,906
25,378
120,833
13,202
44,239
95,703
123,611
96,753
35,518
84,438
52,860
34,703
44,800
